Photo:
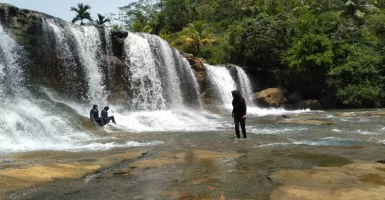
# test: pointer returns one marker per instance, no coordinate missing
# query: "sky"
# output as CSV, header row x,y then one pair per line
x,y
61,8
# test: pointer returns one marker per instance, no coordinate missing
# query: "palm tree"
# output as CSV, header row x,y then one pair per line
x,y
195,36
102,19
82,13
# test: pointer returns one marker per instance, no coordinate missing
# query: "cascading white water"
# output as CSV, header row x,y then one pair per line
x,y
172,79
63,51
37,124
25,126
108,40
245,85
222,81
10,73
189,83
89,47
146,85
108,48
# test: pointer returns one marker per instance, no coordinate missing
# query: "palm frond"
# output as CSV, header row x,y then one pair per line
x,y
74,9
87,7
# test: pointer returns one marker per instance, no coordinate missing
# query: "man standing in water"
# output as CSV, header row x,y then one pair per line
x,y
105,118
239,112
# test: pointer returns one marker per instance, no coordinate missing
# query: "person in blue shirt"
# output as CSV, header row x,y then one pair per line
x,y
105,118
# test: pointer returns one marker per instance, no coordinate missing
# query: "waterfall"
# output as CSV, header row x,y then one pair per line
x,y
108,48
145,82
159,76
245,85
172,82
89,46
25,126
189,83
220,78
35,122
10,72
66,55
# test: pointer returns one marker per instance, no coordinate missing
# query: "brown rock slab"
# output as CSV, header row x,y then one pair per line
x,y
356,181
13,178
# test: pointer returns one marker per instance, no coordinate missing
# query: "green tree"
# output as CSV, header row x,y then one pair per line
x,y
194,36
260,41
101,19
81,13
177,14
141,14
358,81
309,52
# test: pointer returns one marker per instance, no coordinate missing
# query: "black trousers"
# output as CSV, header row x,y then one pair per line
x,y
242,121
107,120
99,121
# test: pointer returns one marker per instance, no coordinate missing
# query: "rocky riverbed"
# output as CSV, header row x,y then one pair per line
x,y
309,160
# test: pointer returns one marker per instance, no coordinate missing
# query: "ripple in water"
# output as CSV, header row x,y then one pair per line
x,y
329,141
278,130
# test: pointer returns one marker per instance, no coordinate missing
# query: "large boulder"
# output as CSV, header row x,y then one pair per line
x,y
196,63
271,97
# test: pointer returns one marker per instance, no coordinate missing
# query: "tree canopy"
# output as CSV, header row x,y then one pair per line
x,y
318,47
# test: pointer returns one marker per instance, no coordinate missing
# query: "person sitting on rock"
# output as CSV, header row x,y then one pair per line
x,y
94,115
105,118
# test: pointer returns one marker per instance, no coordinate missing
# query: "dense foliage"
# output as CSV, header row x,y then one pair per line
x,y
320,48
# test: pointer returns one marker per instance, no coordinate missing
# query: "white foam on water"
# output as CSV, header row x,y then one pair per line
x,y
175,119
336,130
274,144
273,111
278,130
28,127
181,119
364,132
327,141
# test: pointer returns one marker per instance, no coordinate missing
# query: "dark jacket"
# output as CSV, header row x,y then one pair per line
x,y
104,114
94,114
239,104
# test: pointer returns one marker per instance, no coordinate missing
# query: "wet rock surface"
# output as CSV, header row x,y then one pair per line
x,y
237,169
